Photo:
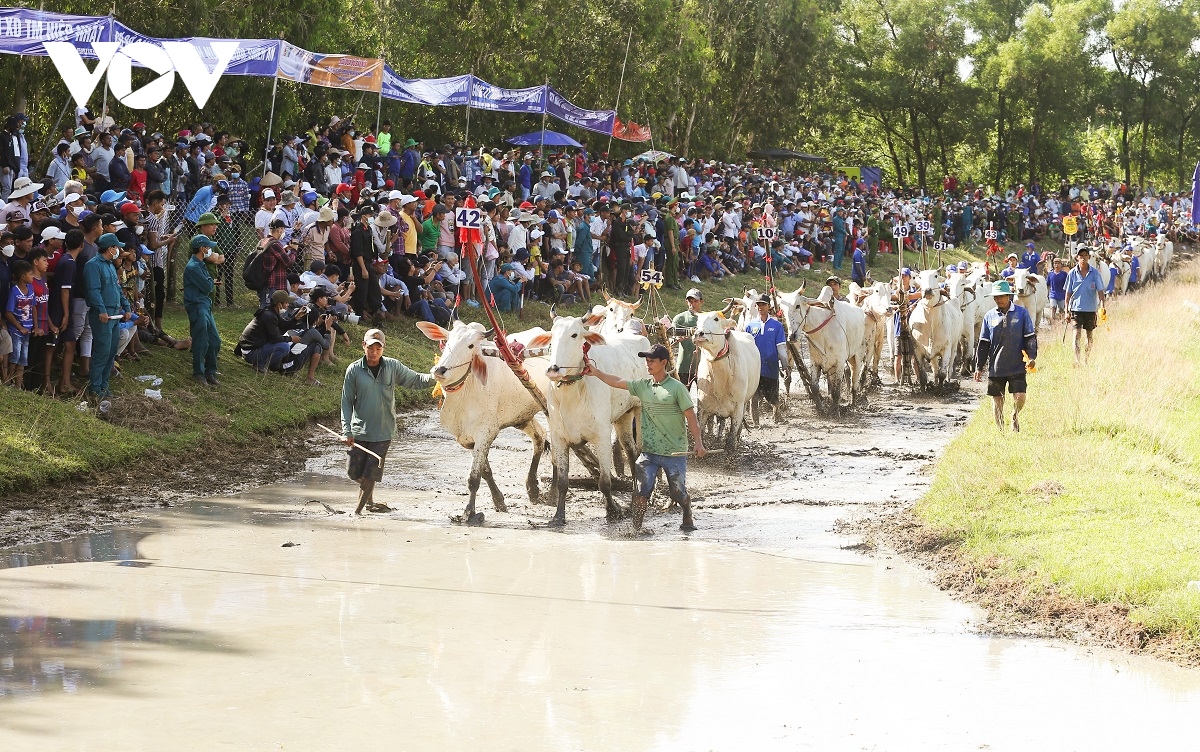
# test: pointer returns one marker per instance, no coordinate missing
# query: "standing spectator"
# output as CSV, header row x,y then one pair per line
x,y
197,289
102,156
277,259
59,171
262,219
107,308
19,315
62,284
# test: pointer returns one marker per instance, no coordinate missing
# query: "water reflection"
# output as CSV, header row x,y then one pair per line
x,y
43,654
114,545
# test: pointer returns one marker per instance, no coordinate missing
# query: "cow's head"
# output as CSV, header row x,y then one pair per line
x,y
618,313
566,339
461,351
1024,284
712,329
930,283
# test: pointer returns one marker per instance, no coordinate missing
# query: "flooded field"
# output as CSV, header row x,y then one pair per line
x,y
263,621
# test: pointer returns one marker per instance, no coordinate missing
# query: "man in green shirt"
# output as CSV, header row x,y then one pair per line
x,y
670,242
431,229
684,326
667,418
369,413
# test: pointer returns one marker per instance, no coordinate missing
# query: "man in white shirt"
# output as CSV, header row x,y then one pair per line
x,y
290,215
262,219
102,156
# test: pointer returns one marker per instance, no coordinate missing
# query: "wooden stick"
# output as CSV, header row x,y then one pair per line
x,y
360,447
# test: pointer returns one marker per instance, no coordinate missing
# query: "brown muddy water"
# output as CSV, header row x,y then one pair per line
x,y
197,628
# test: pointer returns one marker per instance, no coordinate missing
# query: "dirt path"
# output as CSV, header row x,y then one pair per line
x,y
785,490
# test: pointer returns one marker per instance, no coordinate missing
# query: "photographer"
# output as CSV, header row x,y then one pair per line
x,y
265,342
316,323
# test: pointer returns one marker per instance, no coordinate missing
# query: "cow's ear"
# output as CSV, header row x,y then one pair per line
x,y
540,340
479,368
593,318
433,331
594,338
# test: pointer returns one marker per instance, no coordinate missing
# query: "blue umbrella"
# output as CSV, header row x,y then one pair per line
x,y
1196,195
549,138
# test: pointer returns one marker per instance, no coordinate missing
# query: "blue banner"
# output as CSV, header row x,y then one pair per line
x,y
254,57
433,92
24,31
484,96
600,121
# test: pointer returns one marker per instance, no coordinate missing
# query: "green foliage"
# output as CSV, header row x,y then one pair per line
x,y
998,91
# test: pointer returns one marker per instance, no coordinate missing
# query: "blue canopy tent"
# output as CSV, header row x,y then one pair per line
x,y
549,138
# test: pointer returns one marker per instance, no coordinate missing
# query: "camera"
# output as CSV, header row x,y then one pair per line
x,y
352,318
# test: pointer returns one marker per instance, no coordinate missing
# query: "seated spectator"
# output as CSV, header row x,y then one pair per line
x,y
506,289
267,344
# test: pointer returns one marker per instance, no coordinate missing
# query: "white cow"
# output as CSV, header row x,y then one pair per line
x,y
876,302
1033,294
482,397
584,410
1147,254
727,376
936,322
618,317
1122,268
1164,252
835,331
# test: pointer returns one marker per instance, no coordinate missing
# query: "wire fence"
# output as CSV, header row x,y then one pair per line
x,y
236,240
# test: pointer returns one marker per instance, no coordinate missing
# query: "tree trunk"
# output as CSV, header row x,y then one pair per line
x,y
1146,94
1001,115
887,132
687,136
918,154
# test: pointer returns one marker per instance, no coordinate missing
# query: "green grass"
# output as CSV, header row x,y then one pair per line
x,y
1099,495
45,440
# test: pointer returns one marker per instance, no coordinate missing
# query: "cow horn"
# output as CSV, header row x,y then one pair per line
x,y
490,333
553,312
800,289
634,307
606,295
728,307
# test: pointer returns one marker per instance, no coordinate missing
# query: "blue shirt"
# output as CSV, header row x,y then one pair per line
x,y
1030,260
1134,267
525,177
201,202
197,284
858,272
1057,282
102,289
1002,339
767,334
1084,290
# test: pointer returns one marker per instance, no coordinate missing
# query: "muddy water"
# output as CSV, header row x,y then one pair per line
x,y
761,631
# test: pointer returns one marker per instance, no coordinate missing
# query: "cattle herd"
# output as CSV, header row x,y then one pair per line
x,y
844,338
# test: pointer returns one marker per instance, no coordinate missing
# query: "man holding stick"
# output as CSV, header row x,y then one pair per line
x,y
666,410
369,413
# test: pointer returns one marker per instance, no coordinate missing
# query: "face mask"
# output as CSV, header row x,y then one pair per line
x,y
353,134
235,175
77,210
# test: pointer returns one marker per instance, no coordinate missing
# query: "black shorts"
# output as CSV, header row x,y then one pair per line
x,y
1016,385
360,464
1085,320
768,389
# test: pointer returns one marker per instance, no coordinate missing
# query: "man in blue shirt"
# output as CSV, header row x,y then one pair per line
x,y
839,237
858,268
197,301
771,341
1085,296
1031,258
1008,337
1056,282
525,177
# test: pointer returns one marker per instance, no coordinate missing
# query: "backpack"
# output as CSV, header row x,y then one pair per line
x,y
253,272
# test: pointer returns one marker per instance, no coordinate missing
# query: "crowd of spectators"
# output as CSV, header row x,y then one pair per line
x,y
341,224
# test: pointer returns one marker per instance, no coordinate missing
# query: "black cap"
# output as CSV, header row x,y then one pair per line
x,y
658,352
763,299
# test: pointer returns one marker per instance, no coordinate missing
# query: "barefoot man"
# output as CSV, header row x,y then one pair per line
x,y
1007,332
369,413
667,418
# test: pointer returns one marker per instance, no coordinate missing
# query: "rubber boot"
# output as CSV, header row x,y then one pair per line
x,y
687,525
366,493
639,510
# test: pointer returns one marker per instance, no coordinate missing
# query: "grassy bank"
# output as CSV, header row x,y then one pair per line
x,y
45,440
1097,500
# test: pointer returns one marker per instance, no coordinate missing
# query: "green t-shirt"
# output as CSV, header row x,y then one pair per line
x,y
664,430
687,348
430,231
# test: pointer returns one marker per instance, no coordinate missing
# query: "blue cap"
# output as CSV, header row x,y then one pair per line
x,y
552,214
1030,246
112,197
906,272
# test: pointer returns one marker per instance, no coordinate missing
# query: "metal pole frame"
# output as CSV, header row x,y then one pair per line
x,y
621,84
270,126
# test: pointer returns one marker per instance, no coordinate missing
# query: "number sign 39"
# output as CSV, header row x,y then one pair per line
x,y
468,219
923,226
